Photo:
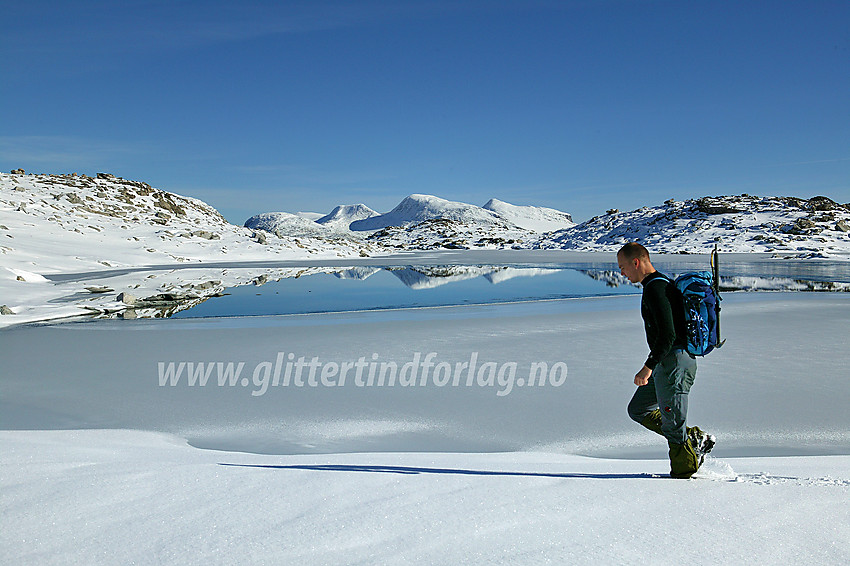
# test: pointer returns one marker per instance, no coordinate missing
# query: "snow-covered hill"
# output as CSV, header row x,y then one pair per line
x,y
341,217
288,225
816,227
60,224
534,218
311,225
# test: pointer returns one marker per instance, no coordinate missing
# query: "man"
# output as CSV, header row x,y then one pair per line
x,y
661,400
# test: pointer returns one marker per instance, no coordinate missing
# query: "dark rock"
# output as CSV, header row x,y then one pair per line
x,y
716,206
822,203
802,227
166,203
206,285
206,235
3,308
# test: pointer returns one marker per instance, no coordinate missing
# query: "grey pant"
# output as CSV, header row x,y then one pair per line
x,y
667,390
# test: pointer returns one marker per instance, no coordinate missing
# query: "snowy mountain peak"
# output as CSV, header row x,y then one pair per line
x,y
419,208
342,216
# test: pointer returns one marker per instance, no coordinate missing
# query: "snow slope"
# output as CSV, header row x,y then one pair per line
x,y
288,225
125,497
786,226
534,218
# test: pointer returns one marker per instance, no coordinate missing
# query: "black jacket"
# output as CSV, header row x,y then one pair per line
x,y
663,317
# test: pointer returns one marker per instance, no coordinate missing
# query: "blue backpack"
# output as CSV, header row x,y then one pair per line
x,y
701,298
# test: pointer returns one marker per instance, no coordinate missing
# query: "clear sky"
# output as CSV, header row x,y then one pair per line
x,y
579,105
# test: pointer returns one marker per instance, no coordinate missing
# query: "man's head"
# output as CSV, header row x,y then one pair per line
x,y
633,260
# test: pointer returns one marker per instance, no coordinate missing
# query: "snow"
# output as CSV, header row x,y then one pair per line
x,y
342,216
299,225
285,223
418,208
785,226
534,218
128,497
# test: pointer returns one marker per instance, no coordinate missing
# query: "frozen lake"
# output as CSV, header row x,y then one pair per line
x,y
374,288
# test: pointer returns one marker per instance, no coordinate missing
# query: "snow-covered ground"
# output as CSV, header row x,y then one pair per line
x,y
104,462
128,497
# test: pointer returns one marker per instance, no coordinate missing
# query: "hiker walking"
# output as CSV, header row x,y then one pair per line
x,y
660,402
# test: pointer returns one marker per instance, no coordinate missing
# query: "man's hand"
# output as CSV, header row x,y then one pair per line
x,y
642,377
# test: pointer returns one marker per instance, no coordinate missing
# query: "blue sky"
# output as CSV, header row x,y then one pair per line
x,y
579,105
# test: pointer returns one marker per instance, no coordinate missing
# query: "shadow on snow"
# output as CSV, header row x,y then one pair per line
x,y
408,470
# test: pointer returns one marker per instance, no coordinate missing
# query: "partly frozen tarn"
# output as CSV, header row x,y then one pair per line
x,y
130,497
69,288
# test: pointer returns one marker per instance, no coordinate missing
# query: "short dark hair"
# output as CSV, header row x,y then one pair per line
x,y
633,250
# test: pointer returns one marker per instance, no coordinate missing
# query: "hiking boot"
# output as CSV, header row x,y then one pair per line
x,y
683,460
701,442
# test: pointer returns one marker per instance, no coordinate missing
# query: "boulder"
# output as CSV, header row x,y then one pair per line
x,y
206,235
802,227
127,298
716,206
822,203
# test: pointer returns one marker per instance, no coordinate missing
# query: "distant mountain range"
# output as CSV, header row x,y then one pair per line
x,y
425,219
816,227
